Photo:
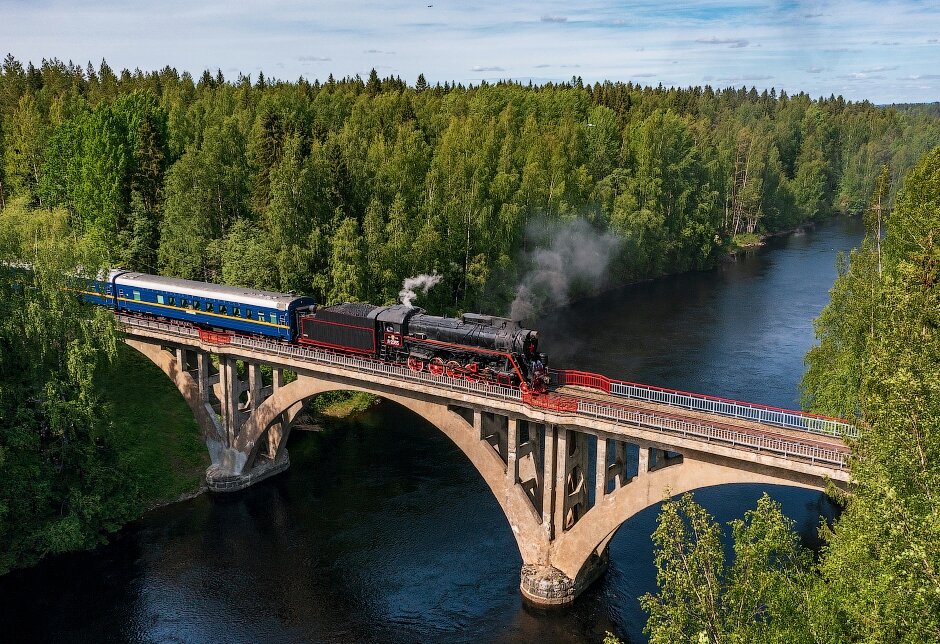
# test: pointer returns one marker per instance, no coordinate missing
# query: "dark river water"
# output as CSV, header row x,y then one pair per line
x,y
382,530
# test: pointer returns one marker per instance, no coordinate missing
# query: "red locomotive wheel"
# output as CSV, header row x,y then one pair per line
x,y
436,366
454,370
416,364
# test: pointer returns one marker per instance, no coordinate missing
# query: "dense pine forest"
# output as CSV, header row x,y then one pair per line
x,y
342,189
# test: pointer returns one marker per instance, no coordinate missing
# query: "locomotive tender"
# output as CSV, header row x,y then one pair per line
x,y
475,346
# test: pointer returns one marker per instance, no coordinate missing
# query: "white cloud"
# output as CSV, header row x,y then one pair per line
x,y
731,42
744,78
478,68
554,19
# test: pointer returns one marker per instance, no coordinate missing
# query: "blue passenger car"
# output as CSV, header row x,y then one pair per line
x,y
231,308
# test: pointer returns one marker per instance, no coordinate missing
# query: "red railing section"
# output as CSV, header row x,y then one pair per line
x,y
552,402
582,379
215,337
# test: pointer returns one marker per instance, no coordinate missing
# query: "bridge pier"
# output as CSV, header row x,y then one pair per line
x,y
547,587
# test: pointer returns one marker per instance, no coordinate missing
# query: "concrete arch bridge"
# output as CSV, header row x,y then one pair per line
x,y
567,468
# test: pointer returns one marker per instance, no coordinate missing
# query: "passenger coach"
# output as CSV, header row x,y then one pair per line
x,y
211,305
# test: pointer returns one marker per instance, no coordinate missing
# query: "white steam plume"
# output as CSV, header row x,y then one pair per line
x,y
411,286
571,259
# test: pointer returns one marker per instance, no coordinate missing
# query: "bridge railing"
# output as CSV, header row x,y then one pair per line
x,y
759,442
729,435
565,404
322,357
788,418
375,367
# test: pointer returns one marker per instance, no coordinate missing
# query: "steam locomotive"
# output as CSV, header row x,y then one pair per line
x,y
474,346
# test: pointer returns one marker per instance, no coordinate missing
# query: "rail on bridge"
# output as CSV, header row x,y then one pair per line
x,y
568,467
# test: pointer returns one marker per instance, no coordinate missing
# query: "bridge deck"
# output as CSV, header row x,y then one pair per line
x,y
692,415
577,402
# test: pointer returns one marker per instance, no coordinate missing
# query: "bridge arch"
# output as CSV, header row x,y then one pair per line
x,y
452,424
188,386
574,548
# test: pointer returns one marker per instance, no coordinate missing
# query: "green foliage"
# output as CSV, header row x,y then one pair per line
x,y
758,597
171,175
63,484
880,567
878,359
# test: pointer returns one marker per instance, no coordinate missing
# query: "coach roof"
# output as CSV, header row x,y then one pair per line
x,y
206,290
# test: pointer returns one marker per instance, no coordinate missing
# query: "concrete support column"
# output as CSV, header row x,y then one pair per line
x,y
618,469
202,366
494,429
600,471
529,469
644,464
571,491
277,379
550,483
228,397
512,446
254,386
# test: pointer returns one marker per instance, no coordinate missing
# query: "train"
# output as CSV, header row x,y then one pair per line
x,y
474,346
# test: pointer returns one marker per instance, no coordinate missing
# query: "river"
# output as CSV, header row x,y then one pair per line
x,y
382,530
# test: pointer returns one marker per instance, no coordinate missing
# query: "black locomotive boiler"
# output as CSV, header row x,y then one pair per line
x,y
477,347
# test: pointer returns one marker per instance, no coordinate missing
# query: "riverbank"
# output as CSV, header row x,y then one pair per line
x,y
154,431
169,465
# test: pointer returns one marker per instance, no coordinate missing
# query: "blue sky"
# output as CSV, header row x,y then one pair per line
x,y
884,51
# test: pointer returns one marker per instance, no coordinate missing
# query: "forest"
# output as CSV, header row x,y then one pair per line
x,y
877,361
344,188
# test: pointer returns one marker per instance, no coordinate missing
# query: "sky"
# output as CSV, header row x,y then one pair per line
x,y
885,51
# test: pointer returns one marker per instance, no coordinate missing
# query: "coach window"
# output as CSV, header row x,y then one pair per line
x,y
160,299
173,301
209,307
137,296
196,305
237,312
223,310
184,302
273,318
248,313
260,316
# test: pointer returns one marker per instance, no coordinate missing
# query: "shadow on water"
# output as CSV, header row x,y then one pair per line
x,y
383,531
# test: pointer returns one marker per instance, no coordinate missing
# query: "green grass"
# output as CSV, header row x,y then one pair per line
x,y
340,404
155,431
746,240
